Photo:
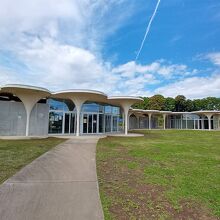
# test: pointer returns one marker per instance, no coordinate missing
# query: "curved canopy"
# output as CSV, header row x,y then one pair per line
x,y
18,88
120,100
87,95
73,94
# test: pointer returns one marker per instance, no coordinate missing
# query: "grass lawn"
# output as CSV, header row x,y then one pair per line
x,y
163,175
15,154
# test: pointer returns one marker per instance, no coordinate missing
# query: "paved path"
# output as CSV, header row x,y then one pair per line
x,y
61,184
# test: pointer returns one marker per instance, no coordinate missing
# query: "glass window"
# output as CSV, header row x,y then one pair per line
x,y
115,123
55,122
116,110
108,109
90,107
108,123
85,123
57,105
101,123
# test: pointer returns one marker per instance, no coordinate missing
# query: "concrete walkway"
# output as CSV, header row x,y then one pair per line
x,y
61,184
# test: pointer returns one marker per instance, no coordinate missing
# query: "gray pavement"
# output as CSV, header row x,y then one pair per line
x,y
61,184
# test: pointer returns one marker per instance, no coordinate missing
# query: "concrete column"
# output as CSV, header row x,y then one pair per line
x,y
164,121
78,103
209,115
209,118
29,100
181,123
129,114
126,106
149,117
202,122
126,109
210,126
186,122
138,122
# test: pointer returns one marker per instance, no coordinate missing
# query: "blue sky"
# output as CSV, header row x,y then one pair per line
x,y
93,44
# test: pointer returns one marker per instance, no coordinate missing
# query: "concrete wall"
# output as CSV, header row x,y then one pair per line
x,y
39,120
13,119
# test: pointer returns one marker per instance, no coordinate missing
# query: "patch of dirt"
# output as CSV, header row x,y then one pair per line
x,y
133,199
192,210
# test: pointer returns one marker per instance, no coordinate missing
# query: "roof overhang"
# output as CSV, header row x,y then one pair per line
x,y
86,95
22,89
121,100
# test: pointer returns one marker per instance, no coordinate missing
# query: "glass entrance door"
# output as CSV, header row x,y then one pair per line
x,y
108,123
90,122
69,123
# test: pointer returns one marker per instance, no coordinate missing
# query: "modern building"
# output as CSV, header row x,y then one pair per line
x,y
34,111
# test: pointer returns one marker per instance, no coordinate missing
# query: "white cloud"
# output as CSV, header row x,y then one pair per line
x,y
131,68
80,23
61,66
193,87
214,58
161,68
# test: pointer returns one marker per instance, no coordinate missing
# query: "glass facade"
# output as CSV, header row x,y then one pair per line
x,y
191,121
95,118
99,118
62,116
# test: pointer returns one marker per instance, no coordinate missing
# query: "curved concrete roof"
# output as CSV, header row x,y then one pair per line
x,y
135,98
80,91
206,111
83,94
120,100
14,87
182,113
144,111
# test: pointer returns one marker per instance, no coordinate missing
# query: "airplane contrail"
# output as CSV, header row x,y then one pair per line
x,y
148,29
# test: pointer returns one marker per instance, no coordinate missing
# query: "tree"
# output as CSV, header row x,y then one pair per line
x,y
142,105
169,104
212,103
198,104
180,103
189,106
157,102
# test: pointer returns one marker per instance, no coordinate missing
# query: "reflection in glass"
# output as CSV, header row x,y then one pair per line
x,y
101,123
108,123
55,122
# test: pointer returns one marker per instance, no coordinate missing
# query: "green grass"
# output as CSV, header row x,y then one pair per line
x,y
15,154
163,175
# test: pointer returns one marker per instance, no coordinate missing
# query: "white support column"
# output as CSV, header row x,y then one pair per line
x,y
164,121
126,106
149,121
181,122
129,114
78,103
209,116
209,119
29,100
210,126
202,122
63,122
126,119
138,122
186,121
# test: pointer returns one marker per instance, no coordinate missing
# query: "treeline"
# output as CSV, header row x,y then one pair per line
x,y
178,104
